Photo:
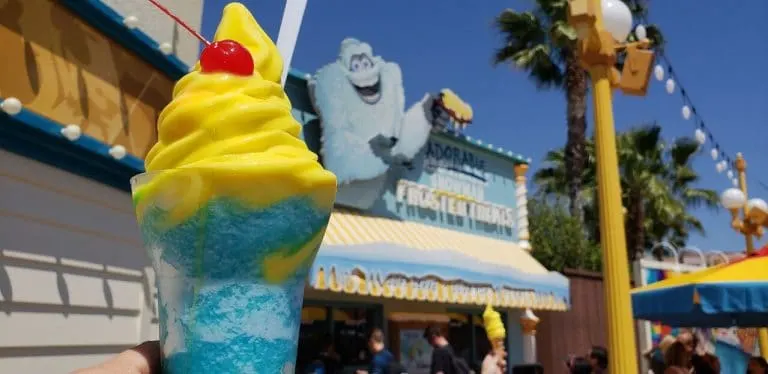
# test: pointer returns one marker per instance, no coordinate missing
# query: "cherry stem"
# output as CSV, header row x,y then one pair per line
x,y
179,21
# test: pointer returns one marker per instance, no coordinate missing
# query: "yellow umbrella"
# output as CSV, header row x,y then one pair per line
x,y
734,294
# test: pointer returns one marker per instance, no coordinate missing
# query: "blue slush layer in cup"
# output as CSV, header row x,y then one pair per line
x,y
219,313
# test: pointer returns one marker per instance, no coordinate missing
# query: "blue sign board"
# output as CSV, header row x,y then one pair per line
x,y
403,163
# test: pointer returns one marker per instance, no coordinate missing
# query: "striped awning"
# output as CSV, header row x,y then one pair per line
x,y
386,257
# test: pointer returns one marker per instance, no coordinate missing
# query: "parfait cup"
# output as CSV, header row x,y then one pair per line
x,y
230,266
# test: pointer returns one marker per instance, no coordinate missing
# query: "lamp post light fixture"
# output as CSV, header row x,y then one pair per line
x,y
602,27
753,219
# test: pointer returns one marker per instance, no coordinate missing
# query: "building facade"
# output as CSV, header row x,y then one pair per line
x,y
75,284
430,224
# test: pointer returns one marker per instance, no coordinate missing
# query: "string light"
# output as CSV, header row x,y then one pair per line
x,y
686,112
702,133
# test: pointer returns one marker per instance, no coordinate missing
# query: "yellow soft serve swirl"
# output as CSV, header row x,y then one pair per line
x,y
236,132
494,327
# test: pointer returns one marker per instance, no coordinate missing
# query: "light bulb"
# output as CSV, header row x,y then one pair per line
x,y
686,112
166,48
714,152
117,152
730,174
733,198
701,136
617,19
131,22
719,167
71,132
658,71
11,106
735,182
670,86
640,32
758,204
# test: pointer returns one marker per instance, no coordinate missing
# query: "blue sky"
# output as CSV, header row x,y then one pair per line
x,y
448,44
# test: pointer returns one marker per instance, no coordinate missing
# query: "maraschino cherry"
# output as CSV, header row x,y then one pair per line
x,y
226,56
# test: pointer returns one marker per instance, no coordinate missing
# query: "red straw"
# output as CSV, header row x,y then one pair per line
x,y
179,21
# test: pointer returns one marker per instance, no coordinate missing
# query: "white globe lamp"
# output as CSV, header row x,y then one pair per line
x,y
758,204
733,198
617,19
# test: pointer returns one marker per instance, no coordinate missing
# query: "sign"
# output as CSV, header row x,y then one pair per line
x,y
62,68
415,351
460,160
449,202
396,160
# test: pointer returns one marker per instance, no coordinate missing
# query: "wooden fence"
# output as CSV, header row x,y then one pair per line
x,y
577,330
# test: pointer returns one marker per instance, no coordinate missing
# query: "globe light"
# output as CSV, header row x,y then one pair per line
x,y
714,152
730,174
733,198
658,71
617,18
640,32
131,22
11,106
758,204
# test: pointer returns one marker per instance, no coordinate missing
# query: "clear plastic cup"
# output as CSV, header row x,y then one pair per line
x,y
230,273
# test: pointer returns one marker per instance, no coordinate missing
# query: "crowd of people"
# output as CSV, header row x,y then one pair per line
x,y
594,362
681,354
673,355
444,360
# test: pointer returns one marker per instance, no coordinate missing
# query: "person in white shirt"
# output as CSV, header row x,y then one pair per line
x,y
495,362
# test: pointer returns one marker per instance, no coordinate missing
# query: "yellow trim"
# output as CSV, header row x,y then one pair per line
x,y
749,270
353,228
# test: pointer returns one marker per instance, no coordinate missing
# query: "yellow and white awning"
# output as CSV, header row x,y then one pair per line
x,y
384,257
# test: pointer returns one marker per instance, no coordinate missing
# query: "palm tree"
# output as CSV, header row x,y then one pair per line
x,y
542,43
657,188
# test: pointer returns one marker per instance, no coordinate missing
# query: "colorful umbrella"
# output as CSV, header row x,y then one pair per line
x,y
734,294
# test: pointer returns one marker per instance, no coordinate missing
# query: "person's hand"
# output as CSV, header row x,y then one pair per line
x,y
142,359
501,360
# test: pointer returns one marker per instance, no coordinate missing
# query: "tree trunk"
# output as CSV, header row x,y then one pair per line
x,y
575,146
635,227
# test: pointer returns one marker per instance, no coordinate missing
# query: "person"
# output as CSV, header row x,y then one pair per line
x,y
598,358
655,355
688,339
142,359
495,362
444,361
757,365
678,355
579,365
705,364
381,357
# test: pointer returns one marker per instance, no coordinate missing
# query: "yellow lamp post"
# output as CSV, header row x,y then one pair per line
x,y
602,26
750,224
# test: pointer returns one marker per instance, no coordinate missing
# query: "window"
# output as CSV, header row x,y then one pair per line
x,y
347,328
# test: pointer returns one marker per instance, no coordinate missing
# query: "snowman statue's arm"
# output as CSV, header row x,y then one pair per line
x,y
414,130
